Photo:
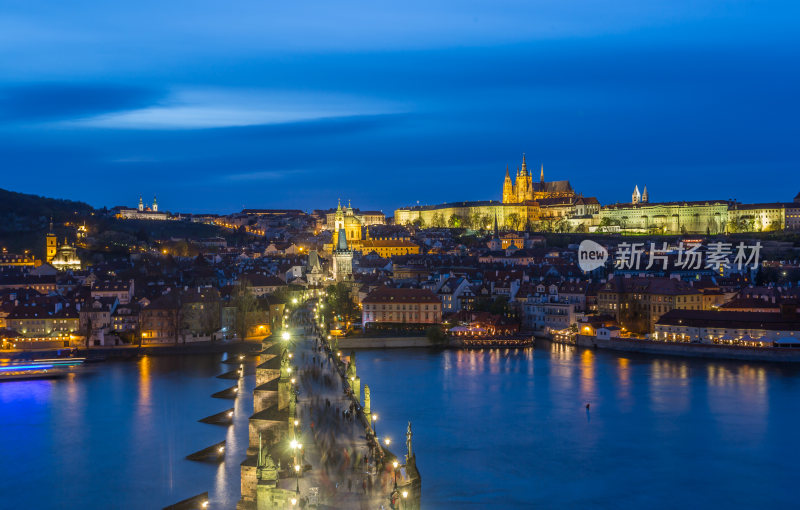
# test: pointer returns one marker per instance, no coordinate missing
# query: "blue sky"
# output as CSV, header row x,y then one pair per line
x,y
214,106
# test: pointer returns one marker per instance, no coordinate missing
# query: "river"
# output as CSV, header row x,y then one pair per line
x,y
499,428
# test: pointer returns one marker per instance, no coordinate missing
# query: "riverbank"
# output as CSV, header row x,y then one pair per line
x,y
404,342
134,351
711,351
388,342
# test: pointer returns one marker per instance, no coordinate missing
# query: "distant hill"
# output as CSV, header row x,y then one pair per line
x,y
20,213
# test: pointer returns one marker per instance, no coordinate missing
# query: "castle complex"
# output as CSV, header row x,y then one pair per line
x,y
524,203
530,205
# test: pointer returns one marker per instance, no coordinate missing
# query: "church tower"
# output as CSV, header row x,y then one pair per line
x,y
141,204
636,197
524,183
645,196
51,244
342,258
508,189
155,204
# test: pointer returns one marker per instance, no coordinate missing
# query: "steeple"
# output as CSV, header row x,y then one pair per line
x,y
495,225
541,175
51,225
155,204
524,165
508,189
341,240
339,205
645,196
141,203
636,197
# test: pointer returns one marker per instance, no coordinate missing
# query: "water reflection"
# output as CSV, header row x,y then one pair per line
x,y
587,374
514,423
144,381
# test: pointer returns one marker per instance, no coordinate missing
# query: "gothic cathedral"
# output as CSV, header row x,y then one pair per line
x,y
523,189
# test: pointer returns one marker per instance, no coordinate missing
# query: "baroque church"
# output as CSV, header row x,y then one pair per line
x,y
63,257
523,189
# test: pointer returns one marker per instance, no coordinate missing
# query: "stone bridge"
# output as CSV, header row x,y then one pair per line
x,y
306,448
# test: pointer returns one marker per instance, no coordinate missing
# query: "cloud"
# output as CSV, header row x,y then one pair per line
x,y
38,102
260,175
221,108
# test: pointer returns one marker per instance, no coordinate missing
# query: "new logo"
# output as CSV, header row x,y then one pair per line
x,y
591,255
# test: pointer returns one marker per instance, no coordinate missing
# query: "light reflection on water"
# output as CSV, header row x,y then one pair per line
x,y
509,428
116,436
502,428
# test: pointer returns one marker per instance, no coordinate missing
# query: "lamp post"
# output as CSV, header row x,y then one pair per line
x,y
394,465
374,424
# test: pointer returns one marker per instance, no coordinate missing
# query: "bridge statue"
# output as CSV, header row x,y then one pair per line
x,y
266,469
408,442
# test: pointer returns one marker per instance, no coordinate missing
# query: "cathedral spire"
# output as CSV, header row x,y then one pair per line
x,y
507,176
339,204
495,225
524,165
541,175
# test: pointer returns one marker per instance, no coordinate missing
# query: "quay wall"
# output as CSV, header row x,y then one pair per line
x,y
383,342
692,350
132,351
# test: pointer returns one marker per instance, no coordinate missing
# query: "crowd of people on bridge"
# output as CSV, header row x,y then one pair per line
x,y
351,463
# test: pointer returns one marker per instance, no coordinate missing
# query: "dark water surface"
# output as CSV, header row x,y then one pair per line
x,y
499,429
116,436
509,428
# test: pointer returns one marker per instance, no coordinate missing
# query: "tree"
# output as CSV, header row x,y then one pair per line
x,y
454,221
244,303
562,226
176,318
340,303
436,335
512,221
88,327
476,221
486,222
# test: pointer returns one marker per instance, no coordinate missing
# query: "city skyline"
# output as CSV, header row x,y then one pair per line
x,y
211,109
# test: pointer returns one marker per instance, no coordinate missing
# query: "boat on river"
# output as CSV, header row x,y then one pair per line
x,y
39,369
